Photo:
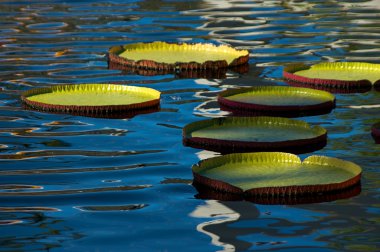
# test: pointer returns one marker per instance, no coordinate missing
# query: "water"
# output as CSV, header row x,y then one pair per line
x,y
70,183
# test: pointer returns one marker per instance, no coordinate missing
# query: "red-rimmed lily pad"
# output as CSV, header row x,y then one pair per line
x,y
340,76
277,101
274,177
94,100
163,55
376,132
246,134
331,89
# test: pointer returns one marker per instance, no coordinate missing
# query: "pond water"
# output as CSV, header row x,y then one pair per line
x,y
71,183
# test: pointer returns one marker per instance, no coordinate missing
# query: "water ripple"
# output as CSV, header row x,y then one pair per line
x,y
14,187
75,170
73,191
111,208
54,153
10,222
30,132
29,209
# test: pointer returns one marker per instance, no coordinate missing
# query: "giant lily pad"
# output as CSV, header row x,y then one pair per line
x,y
218,73
162,55
276,100
245,134
376,132
331,89
338,75
97,100
204,192
275,175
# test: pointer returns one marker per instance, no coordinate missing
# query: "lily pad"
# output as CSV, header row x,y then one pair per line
x,y
163,55
206,193
339,75
376,132
332,89
218,73
275,174
276,101
246,134
96,100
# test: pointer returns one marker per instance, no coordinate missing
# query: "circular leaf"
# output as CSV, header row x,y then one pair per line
x,y
276,100
245,134
162,55
337,75
214,73
97,100
257,175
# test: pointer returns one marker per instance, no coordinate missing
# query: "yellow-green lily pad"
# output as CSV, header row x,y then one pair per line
x,y
342,75
276,100
275,173
99,100
163,55
246,134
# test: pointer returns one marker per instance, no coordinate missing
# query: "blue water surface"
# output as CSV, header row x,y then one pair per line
x,y
72,183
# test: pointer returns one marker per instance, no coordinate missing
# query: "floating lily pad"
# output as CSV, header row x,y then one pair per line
x,y
246,134
206,193
338,75
376,132
275,175
96,100
331,89
162,55
218,73
276,101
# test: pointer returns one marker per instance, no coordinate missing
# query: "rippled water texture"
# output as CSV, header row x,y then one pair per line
x,y
71,183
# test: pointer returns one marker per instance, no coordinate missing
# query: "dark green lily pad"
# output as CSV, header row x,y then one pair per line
x,y
338,75
257,175
276,101
246,134
97,100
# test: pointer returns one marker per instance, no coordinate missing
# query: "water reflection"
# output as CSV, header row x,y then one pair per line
x,y
35,231
242,226
221,214
110,208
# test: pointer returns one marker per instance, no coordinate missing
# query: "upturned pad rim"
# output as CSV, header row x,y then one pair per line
x,y
102,110
115,52
326,104
340,86
298,145
273,158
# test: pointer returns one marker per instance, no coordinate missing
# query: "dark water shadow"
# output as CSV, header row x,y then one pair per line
x,y
375,132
